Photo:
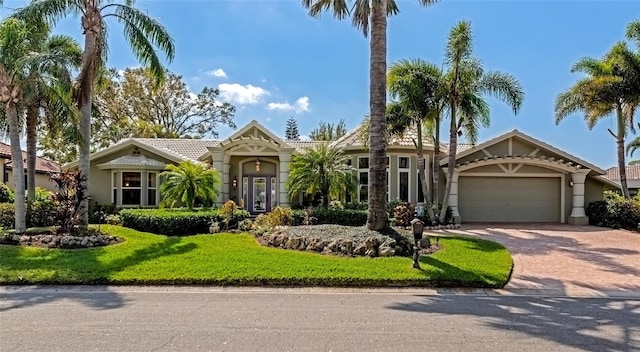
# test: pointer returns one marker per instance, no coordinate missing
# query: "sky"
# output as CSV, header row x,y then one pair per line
x,y
273,61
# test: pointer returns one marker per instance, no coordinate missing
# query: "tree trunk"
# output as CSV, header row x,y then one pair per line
x,y
436,164
85,104
377,218
621,159
453,146
32,121
421,174
17,168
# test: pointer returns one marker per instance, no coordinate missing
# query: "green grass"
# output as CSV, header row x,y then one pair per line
x,y
237,259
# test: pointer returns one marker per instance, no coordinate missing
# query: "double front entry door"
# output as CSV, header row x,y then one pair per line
x,y
260,193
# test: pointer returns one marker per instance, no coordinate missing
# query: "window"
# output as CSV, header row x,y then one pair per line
x,y
245,192
131,188
420,193
274,192
363,186
151,189
363,163
114,186
403,178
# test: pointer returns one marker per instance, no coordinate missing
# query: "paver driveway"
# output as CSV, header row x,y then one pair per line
x,y
572,260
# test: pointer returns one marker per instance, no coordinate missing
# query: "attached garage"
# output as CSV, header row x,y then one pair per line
x,y
509,199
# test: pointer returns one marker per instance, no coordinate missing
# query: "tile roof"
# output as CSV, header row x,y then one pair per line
x,y
133,160
633,173
191,149
42,165
301,145
353,138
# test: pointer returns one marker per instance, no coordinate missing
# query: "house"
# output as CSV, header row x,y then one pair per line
x,y
513,177
43,168
633,177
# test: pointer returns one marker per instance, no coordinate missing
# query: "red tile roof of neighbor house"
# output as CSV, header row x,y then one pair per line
x,y
42,165
633,175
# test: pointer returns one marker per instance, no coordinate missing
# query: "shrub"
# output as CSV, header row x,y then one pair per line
x,y
245,225
175,222
99,212
333,216
391,207
43,194
227,211
6,194
7,215
68,197
113,219
356,206
42,213
336,204
614,211
279,216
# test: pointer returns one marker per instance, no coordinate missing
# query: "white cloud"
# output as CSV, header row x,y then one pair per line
x,y
239,94
301,105
217,73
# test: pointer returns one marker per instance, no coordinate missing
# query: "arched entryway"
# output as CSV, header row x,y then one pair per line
x,y
259,186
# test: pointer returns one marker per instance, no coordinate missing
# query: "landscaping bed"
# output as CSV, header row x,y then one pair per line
x,y
48,238
343,240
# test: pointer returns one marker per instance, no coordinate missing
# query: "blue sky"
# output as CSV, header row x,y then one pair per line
x,y
273,61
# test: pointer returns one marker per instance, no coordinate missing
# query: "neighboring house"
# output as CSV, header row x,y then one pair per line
x,y
512,177
43,168
633,177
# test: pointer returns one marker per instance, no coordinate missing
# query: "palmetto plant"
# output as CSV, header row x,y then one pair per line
x,y
145,35
186,182
321,169
611,87
466,85
370,16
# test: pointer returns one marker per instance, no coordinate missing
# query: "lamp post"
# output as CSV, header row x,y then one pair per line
x,y
417,227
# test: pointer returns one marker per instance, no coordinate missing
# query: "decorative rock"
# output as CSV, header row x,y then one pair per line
x,y
425,242
371,253
389,242
333,246
385,251
371,243
361,249
16,238
293,243
84,241
347,247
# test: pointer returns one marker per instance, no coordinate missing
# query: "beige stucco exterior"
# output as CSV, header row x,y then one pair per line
x,y
512,177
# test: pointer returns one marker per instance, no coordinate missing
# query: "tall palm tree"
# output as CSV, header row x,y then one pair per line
x,y
418,86
370,16
144,34
321,169
15,58
49,90
186,182
611,87
466,85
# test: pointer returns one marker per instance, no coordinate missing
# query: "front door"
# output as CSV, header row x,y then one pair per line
x,y
261,194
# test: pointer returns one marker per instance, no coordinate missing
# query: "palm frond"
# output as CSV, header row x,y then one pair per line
x,y
50,10
504,87
317,7
633,33
459,43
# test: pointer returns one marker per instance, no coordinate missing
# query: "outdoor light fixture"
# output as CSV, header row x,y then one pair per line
x,y
235,182
257,164
571,183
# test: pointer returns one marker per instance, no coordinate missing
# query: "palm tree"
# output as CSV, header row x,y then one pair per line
x,y
186,182
466,84
49,89
15,58
371,15
612,86
418,86
321,169
144,34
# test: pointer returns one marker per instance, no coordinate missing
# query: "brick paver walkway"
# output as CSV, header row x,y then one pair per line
x,y
565,259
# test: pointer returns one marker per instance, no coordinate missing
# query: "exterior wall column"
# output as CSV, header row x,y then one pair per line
x,y
578,216
226,182
285,160
453,197
217,157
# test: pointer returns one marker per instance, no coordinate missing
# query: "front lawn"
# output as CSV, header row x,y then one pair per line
x,y
237,259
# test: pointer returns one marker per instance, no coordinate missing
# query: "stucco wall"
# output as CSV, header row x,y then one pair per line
x,y
42,180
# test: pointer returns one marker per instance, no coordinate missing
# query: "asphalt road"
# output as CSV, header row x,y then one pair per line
x,y
237,319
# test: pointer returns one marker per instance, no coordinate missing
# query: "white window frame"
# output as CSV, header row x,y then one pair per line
x,y
114,187
361,171
408,171
122,187
152,188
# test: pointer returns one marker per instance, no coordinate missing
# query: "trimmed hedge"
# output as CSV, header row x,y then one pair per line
x,y
615,213
333,216
175,222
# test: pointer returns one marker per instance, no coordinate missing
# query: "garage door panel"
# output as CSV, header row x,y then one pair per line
x,y
509,199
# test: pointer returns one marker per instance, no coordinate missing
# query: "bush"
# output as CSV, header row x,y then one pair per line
x,y
98,213
356,206
615,212
7,215
245,225
333,216
403,214
175,222
113,219
391,207
42,213
6,194
279,216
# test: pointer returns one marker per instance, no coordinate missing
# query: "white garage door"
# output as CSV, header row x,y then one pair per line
x,y
509,199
